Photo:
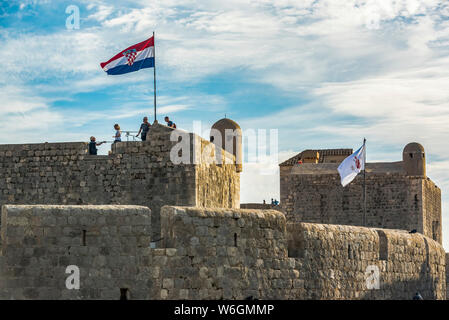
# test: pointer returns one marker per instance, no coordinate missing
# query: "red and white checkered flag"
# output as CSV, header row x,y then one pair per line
x,y
131,55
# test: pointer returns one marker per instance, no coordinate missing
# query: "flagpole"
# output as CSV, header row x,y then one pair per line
x,y
364,184
154,76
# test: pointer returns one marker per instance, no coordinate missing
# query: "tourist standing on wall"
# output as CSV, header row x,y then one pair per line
x,y
93,145
170,123
144,128
418,296
118,134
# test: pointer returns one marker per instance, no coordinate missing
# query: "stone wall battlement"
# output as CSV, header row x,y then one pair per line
x,y
394,200
211,254
43,149
238,228
336,258
398,194
106,243
136,173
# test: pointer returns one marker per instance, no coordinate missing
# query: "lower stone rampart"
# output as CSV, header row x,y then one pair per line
x,y
109,245
342,262
208,254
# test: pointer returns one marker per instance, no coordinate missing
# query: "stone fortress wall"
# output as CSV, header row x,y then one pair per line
x,y
207,253
105,213
399,195
135,173
107,243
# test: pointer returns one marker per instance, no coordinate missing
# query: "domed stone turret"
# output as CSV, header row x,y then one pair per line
x,y
228,130
414,159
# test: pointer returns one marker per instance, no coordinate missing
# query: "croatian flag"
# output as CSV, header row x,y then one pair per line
x,y
136,57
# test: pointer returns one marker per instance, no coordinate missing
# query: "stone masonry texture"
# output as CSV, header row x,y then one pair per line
x,y
40,242
135,173
208,253
394,200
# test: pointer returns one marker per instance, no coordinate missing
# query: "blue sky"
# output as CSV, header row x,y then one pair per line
x,y
325,73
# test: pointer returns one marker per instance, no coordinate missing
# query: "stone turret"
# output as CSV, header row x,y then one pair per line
x,y
414,159
222,132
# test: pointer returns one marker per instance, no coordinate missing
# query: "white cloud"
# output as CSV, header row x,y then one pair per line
x,y
24,115
17,99
103,12
56,55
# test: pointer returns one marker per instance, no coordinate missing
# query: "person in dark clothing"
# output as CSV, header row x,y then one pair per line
x,y
170,123
93,145
144,128
418,296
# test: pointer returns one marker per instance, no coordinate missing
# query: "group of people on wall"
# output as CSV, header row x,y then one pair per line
x,y
143,131
274,202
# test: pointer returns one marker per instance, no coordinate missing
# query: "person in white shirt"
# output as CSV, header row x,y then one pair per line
x,y
118,133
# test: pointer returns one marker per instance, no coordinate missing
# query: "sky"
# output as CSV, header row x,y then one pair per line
x,y
323,73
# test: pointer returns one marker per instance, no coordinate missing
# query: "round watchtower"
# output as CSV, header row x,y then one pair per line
x,y
414,159
228,129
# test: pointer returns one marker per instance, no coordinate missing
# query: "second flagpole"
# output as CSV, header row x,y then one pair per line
x,y
364,183
154,76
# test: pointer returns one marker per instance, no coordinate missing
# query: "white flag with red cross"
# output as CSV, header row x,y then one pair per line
x,y
352,166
